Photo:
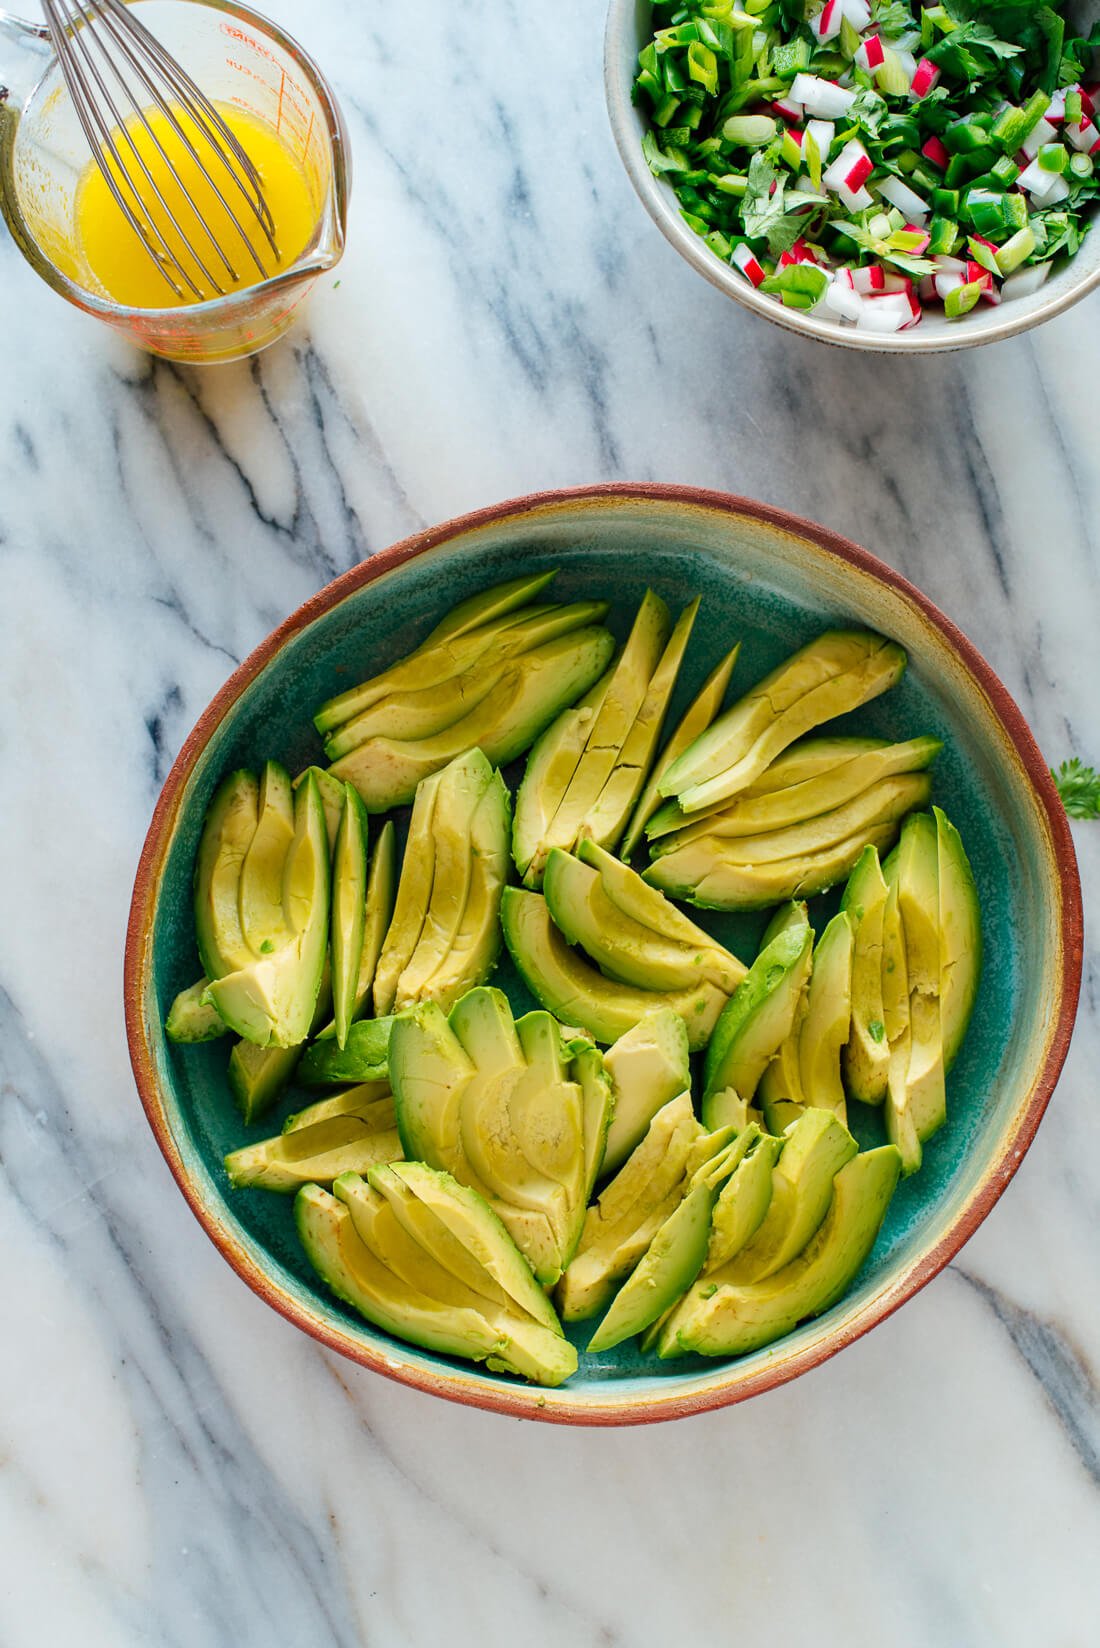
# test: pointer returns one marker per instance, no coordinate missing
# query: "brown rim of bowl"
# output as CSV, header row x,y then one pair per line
x,y
531,1402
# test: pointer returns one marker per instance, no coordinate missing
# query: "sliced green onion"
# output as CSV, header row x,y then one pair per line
x,y
1081,165
1016,251
962,300
1053,157
981,254
753,131
702,67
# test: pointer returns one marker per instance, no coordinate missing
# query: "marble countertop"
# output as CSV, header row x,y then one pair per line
x,y
178,1467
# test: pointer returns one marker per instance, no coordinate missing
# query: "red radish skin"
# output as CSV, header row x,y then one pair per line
x,y
935,151
925,76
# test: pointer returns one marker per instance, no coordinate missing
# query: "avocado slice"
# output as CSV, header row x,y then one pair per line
x,y
349,911
457,641
865,1057
630,1210
257,1075
476,944
550,765
363,1057
833,674
589,1070
320,1151
429,1072
577,994
350,1101
648,1067
272,1000
332,799
727,1319
895,1015
381,891
710,873
780,1090
505,1340
427,710
960,923
531,692
828,1020
620,706
922,1102
623,948
815,1148
462,785
227,834
260,897
635,899
414,890
607,818
814,776
883,802
674,1257
191,1019
697,719
756,1021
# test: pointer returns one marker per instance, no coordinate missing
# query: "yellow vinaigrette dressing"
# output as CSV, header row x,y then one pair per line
x,y
112,250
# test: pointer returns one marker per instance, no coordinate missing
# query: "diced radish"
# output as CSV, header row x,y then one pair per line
x,y
906,200
935,151
925,239
886,314
978,275
1042,132
1056,108
926,291
915,311
1090,98
897,283
841,300
925,76
858,200
823,99
1084,136
948,282
870,55
1045,188
806,253
870,279
822,132
988,244
788,109
857,12
945,264
749,264
826,25
851,168
1025,281
991,293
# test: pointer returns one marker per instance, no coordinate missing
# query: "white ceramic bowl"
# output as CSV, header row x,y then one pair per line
x,y
628,29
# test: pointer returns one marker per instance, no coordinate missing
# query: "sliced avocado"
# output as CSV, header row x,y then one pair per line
x,y
537,686
960,923
745,1198
590,1072
550,765
623,948
349,911
710,874
607,818
461,786
464,1235
697,719
815,1148
731,1320
257,1075
227,833
815,776
895,1013
461,638
865,1057
836,673
828,1020
429,1072
414,890
675,1255
630,1211
881,803
260,897
352,1101
476,944
332,799
648,1067
272,1000
924,1100
577,994
756,1021
427,710
364,1056
780,1087
621,704
190,1019
635,899
381,891
319,1152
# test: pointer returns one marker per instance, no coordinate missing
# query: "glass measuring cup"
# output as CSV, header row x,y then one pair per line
x,y
238,58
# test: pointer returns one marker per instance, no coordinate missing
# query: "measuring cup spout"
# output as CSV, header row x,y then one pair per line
x,y
24,53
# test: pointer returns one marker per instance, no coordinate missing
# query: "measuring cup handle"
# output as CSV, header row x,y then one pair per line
x,y
24,51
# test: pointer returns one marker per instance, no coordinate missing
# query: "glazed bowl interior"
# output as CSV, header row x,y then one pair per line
x,y
628,30
773,582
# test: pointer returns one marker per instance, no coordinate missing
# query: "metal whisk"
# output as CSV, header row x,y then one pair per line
x,y
111,63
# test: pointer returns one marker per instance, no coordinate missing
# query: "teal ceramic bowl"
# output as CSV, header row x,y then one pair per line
x,y
773,581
